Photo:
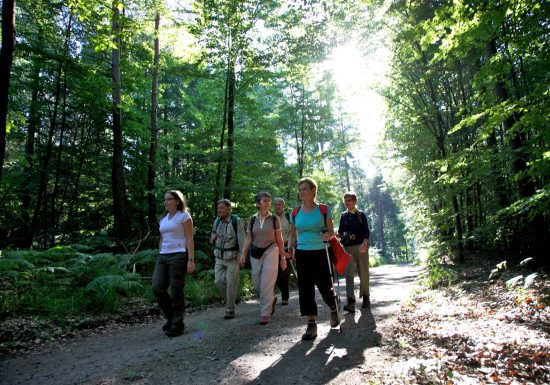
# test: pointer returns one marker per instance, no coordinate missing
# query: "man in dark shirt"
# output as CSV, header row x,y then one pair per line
x,y
354,234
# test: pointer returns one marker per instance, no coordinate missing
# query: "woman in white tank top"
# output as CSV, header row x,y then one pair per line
x,y
176,258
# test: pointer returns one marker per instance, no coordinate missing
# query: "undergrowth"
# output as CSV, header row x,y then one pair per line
x,y
71,280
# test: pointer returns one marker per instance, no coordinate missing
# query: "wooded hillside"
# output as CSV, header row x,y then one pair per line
x,y
111,103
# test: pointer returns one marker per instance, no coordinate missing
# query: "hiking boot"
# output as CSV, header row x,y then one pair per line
x,y
311,331
229,314
284,302
264,320
166,326
334,319
366,302
350,307
175,330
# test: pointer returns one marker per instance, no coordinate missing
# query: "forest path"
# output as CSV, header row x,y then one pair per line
x,y
237,351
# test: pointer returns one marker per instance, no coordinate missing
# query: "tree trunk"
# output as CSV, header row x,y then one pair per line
x,y
151,171
6,59
459,232
230,130
29,158
536,228
41,206
52,217
217,188
121,222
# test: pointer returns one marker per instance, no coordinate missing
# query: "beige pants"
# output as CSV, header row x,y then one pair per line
x,y
264,276
362,264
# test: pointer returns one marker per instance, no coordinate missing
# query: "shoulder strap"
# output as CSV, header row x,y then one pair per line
x,y
252,224
295,212
216,223
234,222
324,210
287,215
359,217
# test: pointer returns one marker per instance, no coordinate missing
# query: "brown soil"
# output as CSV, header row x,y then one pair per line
x,y
237,351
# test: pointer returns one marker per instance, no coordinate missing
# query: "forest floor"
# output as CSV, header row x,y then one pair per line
x,y
473,332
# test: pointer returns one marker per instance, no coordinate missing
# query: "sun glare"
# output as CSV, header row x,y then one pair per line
x,y
358,77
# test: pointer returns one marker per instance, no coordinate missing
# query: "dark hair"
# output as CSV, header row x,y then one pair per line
x,y
225,201
178,195
261,195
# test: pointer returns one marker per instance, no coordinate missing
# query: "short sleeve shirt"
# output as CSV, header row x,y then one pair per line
x,y
172,232
263,232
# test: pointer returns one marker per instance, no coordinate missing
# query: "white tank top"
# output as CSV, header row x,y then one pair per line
x,y
173,235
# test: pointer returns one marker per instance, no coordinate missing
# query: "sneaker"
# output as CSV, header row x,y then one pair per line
x,y
366,302
264,320
229,314
334,319
284,302
311,331
273,306
350,308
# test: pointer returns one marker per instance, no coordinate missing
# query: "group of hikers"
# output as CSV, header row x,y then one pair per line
x,y
273,241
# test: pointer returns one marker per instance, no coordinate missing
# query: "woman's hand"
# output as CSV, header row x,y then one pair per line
x,y
326,236
242,260
191,265
283,263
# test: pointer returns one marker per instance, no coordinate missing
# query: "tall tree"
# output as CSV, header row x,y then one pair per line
x,y
151,169
122,224
6,59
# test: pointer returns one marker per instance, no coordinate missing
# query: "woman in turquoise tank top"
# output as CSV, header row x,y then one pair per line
x,y
310,230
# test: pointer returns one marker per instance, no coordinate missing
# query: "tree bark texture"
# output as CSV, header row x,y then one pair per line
x,y
6,60
122,225
152,165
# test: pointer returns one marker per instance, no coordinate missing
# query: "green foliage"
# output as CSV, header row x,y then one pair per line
x,y
437,274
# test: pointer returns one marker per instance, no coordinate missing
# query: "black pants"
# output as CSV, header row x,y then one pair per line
x,y
283,281
313,270
170,271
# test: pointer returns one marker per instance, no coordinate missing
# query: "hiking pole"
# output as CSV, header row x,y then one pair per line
x,y
331,272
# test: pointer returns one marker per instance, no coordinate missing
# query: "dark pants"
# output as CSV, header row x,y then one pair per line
x,y
170,271
313,270
283,281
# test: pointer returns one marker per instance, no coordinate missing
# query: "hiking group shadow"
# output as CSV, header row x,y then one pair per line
x,y
319,361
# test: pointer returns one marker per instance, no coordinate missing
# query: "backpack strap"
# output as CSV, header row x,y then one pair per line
x,y
294,213
273,216
324,210
252,225
234,219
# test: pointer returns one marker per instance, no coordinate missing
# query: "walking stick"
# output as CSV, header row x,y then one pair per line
x,y
336,299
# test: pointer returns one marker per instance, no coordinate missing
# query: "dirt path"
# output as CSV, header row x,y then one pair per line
x,y
237,351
